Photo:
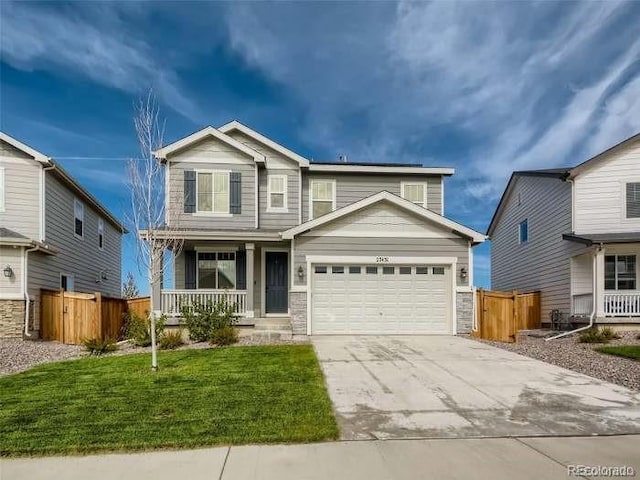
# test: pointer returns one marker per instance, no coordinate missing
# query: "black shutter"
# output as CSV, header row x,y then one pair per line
x,y
235,192
241,270
189,191
190,269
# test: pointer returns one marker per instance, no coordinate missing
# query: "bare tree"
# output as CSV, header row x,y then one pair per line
x,y
153,221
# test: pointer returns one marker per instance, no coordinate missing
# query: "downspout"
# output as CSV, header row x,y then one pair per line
x,y
25,286
593,308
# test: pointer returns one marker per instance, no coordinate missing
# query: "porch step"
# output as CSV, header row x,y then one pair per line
x,y
266,335
272,324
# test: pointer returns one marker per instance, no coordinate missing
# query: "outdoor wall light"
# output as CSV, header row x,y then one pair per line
x,y
463,273
8,271
300,272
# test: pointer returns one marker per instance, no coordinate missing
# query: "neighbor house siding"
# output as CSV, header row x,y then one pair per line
x,y
22,192
543,263
351,187
600,193
81,258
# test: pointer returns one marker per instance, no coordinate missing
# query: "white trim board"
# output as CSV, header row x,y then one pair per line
x,y
380,169
40,157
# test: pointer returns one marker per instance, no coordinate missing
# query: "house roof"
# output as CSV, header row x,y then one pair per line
x,y
66,178
383,168
200,135
455,227
602,155
598,238
14,239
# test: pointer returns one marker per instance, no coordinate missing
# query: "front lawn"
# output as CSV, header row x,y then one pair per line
x,y
629,351
199,397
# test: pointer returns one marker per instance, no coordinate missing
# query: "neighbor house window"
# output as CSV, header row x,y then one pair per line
x,y
217,270
100,234
2,200
620,272
323,197
212,192
66,282
277,193
78,222
415,193
523,231
633,200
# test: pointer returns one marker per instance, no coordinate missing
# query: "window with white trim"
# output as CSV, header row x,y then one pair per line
x,y
100,234
523,231
277,192
2,190
212,192
217,270
66,282
620,272
78,218
415,192
323,197
633,200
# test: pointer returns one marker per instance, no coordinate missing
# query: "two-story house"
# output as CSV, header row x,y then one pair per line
x,y
574,234
328,248
53,235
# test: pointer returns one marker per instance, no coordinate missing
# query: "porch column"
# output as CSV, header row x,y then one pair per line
x,y
156,277
250,248
599,293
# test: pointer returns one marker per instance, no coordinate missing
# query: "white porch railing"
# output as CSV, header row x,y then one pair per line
x,y
622,304
172,301
582,304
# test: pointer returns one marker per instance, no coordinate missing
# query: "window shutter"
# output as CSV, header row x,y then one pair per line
x,y
189,191
241,270
633,200
190,269
235,192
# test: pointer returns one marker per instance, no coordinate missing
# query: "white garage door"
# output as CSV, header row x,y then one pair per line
x,y
381,299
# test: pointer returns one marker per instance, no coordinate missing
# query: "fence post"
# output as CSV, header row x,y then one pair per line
x,y
61,297
98,296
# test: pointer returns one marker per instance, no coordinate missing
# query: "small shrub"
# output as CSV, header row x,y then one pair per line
x,y
608,333
138,329
171,339
202,319
95,346
594,335
227,335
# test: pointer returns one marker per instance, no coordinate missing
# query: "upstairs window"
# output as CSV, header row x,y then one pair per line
x,y
100,234
2,200
78,222
212,192
633,200
620,272
323,197
523,232
415,193
277,193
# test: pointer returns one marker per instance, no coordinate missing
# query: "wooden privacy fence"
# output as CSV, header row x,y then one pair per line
x,y
70,317
500,315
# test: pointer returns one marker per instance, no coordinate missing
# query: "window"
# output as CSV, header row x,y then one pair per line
x,y
372,270
388,270
523,231
355,270
277,193
405,270
438,270
620,272
422,270
323,197
337,269
66,282
415,192
212,192
321,269
633,200
100,234
217,270
78,222
2,200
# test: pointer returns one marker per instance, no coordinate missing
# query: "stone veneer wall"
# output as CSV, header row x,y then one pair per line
x,y
11,318
298,312
464,311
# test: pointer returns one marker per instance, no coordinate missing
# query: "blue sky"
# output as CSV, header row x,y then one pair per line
x,y
484,87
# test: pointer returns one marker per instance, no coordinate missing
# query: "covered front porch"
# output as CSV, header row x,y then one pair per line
x,y
604,282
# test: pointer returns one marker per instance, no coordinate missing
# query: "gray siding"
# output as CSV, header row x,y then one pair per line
x,y
22,192
11,256
543,263
80,257
279,220
351,187
246,219
396,246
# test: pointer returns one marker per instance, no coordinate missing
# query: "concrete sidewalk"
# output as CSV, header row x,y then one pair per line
x,y
494,458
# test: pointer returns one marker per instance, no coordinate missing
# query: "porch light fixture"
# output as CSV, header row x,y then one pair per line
x,y
8,271
463,273
300,272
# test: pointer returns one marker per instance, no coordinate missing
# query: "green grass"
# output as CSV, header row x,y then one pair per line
x,y
217,396
628,351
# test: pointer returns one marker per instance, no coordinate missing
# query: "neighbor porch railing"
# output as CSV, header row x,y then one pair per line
x,y
582,304
622,304
172,301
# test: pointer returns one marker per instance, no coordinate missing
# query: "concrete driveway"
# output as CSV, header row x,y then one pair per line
x,y
445,387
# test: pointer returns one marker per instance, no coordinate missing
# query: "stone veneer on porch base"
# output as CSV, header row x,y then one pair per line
x,y
11,318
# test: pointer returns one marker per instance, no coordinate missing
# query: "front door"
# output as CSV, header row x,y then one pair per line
x,y
277,289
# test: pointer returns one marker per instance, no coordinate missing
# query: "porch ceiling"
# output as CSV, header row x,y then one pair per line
x,y
598,238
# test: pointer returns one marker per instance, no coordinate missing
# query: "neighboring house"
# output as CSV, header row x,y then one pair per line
x,y
574,235
325,247
53,235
